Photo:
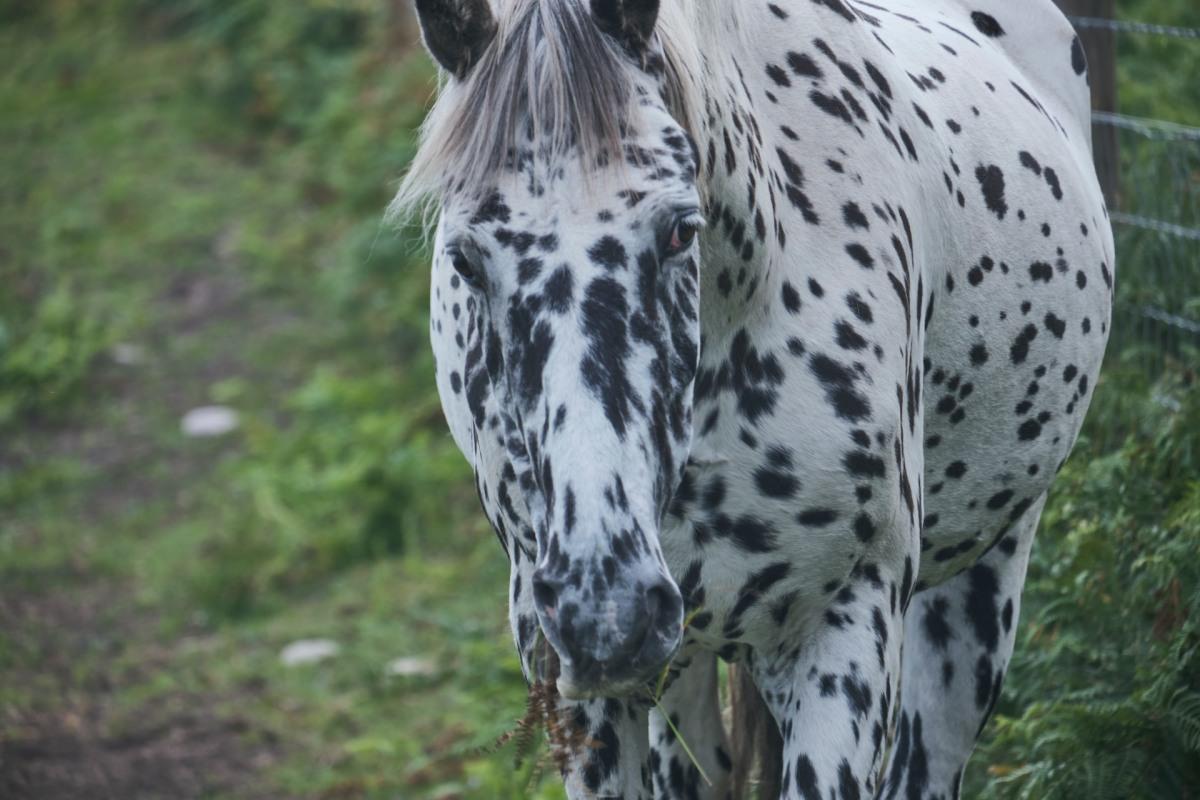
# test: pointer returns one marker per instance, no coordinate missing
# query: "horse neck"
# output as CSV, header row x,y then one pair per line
x,y
735,265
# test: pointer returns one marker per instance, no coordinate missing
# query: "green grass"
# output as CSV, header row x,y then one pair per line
x,y
206,186
184,186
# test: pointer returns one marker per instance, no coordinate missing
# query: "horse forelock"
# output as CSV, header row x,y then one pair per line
x,y
550,83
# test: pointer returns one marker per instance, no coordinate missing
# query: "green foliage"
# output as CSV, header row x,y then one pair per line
x,y
1103,696
156,146
46,355
1157,74
205,181
359,472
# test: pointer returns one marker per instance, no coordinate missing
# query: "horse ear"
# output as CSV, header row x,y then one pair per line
x,y
456,32
630,22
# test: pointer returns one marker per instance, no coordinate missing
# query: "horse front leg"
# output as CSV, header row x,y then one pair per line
x,y
687,735
959,642
602,748
600,745
835,695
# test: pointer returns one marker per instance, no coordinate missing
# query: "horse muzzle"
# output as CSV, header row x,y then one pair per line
x,y
613,642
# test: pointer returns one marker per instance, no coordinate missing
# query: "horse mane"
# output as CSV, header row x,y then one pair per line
x,y
549,79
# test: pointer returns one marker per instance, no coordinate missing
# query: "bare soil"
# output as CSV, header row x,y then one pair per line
x,y
79,646
75,740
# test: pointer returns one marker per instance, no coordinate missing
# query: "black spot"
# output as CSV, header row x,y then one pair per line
x,y
604,372
981,606
864,528
1030,429
806,779
848,787
609,253
817,517
1052,182
860,254
724,283
493,209
838,381
854,217
848,338
1020,345
859,308
879,79
1041,271
778,75
937,628
831,106
986,24
773,483
1078,58
839,8
1000,499
858,695
528,270
752,535
922,115
1055,325
791,298
983,681
795,177
991,183
803,65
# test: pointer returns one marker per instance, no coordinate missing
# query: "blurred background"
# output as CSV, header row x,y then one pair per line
x,y
240,556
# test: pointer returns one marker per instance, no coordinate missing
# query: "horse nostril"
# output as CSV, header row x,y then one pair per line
x,y
663,606
545,595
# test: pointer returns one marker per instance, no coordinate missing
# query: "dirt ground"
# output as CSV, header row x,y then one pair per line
x,y
81,744
80,645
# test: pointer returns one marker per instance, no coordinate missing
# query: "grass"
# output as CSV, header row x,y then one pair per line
x,y
147,212
191,215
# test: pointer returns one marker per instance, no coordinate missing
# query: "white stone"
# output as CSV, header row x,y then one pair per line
x,y
209,421
128,355
411,666
308,651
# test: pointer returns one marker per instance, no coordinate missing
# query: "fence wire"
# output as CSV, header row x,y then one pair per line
x,y
1155,337
1157,225
1149,128
1123,26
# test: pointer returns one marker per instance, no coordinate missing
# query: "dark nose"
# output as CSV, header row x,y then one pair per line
x,y
625,633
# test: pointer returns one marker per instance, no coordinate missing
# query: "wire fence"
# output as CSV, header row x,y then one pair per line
x,y
1149,128
1124,26
1156,222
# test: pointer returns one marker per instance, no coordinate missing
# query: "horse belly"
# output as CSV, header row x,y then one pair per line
x,y
1011,359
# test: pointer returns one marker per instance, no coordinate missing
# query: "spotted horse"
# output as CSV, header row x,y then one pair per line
x,y
765,326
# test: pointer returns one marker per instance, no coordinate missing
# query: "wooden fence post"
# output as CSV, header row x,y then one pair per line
x,y
1100,48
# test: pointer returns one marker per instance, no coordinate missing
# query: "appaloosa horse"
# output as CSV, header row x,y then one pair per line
x,y
765,325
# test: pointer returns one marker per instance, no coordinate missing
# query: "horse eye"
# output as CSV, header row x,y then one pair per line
x,y
682,236
466,269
